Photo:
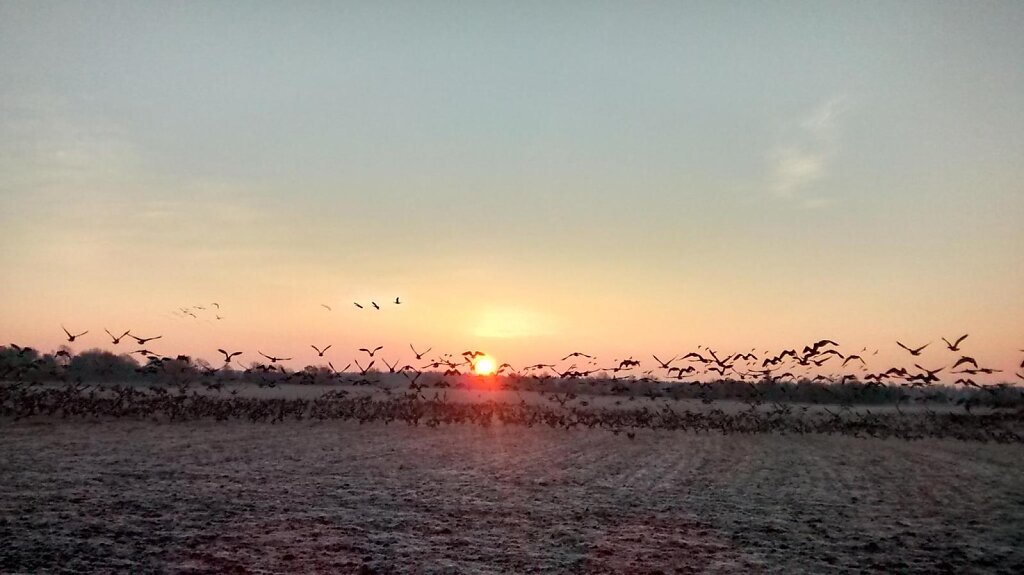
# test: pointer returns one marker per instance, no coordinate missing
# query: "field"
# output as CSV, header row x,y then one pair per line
x,y
337,496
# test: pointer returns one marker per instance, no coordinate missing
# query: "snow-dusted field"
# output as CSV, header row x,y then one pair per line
x,y
342,497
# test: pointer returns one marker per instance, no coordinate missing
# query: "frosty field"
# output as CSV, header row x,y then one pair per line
x,y
337,496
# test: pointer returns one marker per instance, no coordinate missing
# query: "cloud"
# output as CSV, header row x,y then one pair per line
x,y
823,119
795,168
805,158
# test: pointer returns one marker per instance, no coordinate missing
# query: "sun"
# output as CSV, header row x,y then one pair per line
x,y
485,365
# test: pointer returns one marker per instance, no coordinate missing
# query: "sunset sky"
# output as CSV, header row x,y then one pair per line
x,y
530,178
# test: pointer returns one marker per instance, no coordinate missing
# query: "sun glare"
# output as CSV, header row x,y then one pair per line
x,y
485,365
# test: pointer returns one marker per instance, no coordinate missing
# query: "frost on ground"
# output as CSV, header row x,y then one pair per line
x,y
342,497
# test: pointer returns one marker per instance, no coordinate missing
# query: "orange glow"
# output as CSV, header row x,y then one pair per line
x,y
485,365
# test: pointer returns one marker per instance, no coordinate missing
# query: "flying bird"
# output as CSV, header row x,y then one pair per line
x,y
375,306
419,355
273,359
357,304
965,359
143,340
71,338
397,302
851,357
228,356
373,351
955,346
319,351
364,370
117,339
663,364
327,307
916,351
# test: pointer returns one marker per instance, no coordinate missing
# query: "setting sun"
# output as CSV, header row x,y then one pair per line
x,y
485,365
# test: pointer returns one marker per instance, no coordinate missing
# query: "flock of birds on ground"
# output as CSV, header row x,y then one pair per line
x,y
775,387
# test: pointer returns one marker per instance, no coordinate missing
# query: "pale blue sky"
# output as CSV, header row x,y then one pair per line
x,y
867,154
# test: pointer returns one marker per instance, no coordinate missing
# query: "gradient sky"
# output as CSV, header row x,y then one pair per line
x,y
619,178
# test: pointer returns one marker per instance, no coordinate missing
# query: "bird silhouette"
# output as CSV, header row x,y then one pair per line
x,y
373,351
327,307
419,355
357,304
228,356
663,364
117,339
319,351
73,337
272,358
915,351
852,357
577,354
397,302
143,340
374,304
965,359
955,346
364,370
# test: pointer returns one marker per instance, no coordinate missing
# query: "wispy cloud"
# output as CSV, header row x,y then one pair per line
x,y
795,169
805,158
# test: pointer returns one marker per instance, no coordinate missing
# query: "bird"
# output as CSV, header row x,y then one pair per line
x,y
71,338
916,351
373,351
397,302
331,365
664,364
965,359
853,356
319,351
21,350
931,374
228,356
577,354
628,363
273,359
357,304
117,339
364,370
471,355
419,355
327,307
374,304
955,346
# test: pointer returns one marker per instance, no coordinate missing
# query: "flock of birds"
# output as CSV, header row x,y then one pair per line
x,y
161,404
788,365
177,392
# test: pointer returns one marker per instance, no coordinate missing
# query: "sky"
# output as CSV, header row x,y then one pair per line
x,y
619,178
